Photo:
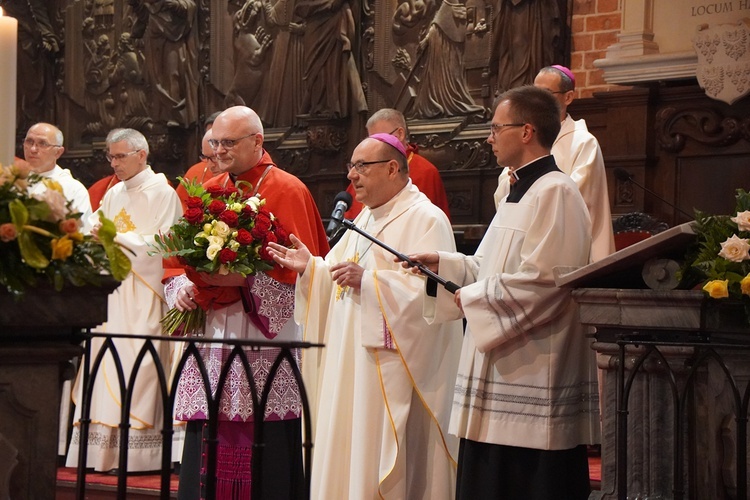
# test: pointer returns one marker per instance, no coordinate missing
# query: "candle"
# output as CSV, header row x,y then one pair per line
x,y
8,49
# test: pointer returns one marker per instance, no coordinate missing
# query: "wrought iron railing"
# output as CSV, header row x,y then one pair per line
x,y
92,363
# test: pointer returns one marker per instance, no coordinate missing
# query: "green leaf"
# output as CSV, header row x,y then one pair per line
x,y
119,262
18,214
30,252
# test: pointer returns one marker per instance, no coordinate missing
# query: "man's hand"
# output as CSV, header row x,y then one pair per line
x,y
184,301
294,258
95,231
430,260
348,274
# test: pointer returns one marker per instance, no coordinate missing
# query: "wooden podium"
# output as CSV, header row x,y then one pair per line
x,y
674,371
37,340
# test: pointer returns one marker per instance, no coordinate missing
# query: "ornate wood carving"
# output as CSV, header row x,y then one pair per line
x,y
706,125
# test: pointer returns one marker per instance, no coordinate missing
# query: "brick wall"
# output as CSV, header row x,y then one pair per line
x,y
595,26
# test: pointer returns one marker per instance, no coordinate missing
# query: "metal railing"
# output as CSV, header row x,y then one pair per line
x,y
92,364
683,380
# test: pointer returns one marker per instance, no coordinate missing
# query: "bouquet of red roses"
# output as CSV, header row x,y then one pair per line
x,y
223,230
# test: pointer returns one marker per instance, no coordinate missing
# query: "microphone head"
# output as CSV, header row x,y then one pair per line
x,y
622,175
345,197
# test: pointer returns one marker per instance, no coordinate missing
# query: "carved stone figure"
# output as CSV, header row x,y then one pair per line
x,y
171,57
250,46
443,91
283,88
333,86
526,34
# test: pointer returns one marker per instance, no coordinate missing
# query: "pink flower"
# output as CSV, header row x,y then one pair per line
x,y
735,249
69,226
8,232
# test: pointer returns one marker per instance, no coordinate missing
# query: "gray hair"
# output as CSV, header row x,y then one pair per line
x,y
132,137
389,115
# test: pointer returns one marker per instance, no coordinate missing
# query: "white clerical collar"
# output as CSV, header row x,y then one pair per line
x,y
56,170
139,178
385,209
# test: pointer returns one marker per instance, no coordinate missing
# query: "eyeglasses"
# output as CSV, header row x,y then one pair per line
x,y
495,128
360,165
30,143
203,157
120,156
227,143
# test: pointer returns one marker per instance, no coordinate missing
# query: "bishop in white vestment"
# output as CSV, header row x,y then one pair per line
x,y
385,378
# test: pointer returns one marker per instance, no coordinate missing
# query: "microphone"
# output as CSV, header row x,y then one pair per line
x,y
623,175
341,203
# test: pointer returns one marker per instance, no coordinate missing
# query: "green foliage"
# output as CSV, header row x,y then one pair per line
x,y
39,243
704,262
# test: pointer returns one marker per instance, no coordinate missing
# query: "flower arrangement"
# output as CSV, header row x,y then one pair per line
x,y
720,259
40,237
223,230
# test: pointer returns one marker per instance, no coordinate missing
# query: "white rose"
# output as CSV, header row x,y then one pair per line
x,y
216,241
207,227
236,207
743,220
212,251
254,203
735,249
233,245
221,229
198,237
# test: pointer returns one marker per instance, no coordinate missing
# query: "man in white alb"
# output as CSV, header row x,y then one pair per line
x,y
142,205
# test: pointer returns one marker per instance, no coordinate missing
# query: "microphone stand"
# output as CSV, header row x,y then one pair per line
x,y
448,285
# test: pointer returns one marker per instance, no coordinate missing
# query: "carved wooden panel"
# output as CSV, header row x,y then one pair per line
x,y
312,69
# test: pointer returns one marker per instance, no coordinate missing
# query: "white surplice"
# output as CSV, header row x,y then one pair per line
x,y
140,207
527,376
577,153
386,377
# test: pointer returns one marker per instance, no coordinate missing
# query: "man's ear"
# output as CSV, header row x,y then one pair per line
x,y
569,97
60,152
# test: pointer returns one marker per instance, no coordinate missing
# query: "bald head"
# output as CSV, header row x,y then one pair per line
x,y
43,146
237,139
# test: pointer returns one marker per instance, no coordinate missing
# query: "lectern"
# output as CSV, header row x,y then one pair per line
x,y
674,371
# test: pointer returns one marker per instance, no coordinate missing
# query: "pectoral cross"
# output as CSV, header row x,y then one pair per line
x,y
340,290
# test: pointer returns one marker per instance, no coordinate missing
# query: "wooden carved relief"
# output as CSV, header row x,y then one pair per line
x,y
40,31
312,69
705,125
